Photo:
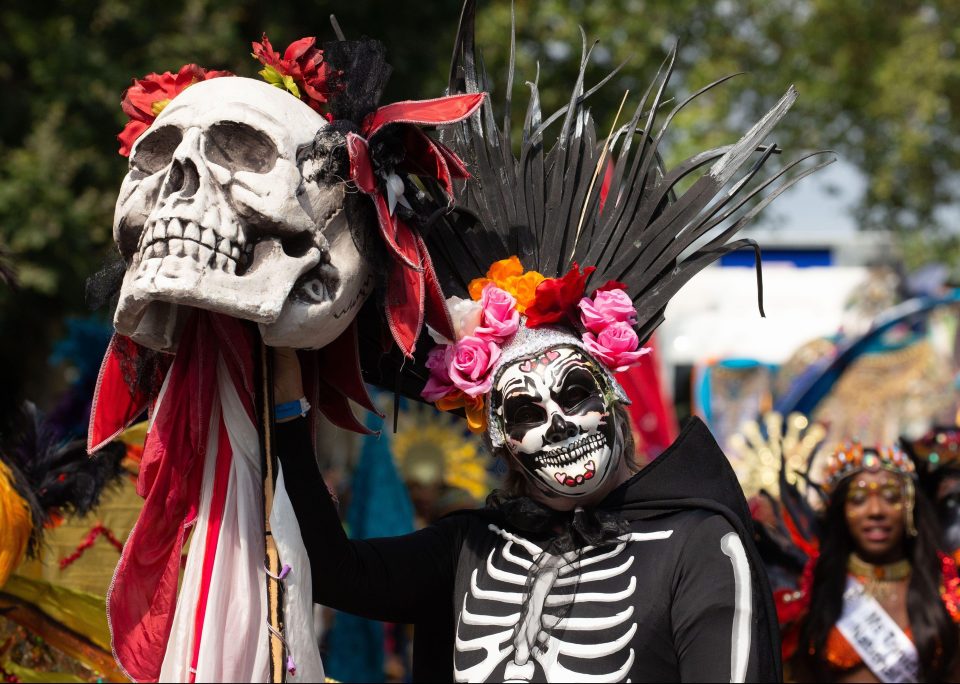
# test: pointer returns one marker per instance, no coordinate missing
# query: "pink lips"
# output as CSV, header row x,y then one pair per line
x,y
876,534
574,481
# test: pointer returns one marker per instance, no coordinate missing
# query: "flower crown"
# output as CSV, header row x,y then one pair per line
x,y
462,370
301,71
852,457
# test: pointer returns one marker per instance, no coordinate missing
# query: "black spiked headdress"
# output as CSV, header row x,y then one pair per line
x,y
548,206
607,204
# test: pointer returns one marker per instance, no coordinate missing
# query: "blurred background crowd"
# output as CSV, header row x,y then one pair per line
x,y
862,261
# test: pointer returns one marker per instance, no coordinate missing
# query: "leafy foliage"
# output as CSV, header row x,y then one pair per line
x,y
879,82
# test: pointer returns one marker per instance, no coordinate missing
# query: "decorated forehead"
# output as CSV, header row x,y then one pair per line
x,y
853,458
544,370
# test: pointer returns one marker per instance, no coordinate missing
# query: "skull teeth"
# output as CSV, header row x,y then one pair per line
x,y
571,454
179,239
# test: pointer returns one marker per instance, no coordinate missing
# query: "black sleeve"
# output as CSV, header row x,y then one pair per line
x,y
394,579
711,610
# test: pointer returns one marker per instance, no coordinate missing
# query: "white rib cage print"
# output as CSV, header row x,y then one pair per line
x,y
520,644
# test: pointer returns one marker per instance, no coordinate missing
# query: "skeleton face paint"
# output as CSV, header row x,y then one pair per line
x,y
558,420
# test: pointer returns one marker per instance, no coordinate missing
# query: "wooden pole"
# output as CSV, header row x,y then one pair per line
x,y
269,471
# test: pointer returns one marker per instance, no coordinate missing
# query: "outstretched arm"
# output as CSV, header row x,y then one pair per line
x,y
397,579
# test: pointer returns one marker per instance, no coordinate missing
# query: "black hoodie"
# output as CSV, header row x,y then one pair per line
x,y
678,595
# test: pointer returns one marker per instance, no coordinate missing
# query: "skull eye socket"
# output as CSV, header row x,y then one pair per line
x,y
522,411
574,395
578,387
238,147
155,150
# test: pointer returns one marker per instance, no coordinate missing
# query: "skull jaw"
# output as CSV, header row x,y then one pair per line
x,y
156,293
580,478
311,322
312,325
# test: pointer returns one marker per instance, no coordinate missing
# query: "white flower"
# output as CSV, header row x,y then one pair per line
x,y
465,315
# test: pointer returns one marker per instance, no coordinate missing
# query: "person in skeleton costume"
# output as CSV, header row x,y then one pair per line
x,y
236,230
875,601
937,455
581,568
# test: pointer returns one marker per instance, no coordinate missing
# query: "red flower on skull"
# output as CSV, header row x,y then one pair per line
x,y
148,96
301,70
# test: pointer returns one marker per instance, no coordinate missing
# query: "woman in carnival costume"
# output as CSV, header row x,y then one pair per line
x,y
580,568
877,601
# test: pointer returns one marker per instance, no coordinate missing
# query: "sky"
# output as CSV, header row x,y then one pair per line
x,y
821,202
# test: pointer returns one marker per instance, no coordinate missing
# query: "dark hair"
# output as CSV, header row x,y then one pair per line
x,y
515,483
934,632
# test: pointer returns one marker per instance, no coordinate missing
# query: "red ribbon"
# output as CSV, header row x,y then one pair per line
x,y
413,293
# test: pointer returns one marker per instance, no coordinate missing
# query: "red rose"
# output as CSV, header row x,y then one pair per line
x,y
556,299
147,97
301,70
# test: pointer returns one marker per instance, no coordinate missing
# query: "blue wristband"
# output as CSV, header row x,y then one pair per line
x,y
290,409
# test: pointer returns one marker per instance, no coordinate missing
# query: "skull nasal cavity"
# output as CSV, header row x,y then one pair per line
x,y
560,429
183,178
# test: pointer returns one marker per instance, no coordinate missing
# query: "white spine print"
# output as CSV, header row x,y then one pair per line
x,y
732,547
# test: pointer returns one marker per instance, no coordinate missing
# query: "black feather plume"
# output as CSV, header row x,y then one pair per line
x,y
52,476
546,207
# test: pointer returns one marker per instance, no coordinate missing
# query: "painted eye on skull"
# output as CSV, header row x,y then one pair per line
x,y
521,410
578,386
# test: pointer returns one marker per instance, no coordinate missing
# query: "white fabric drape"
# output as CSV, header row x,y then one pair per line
x,y
234,639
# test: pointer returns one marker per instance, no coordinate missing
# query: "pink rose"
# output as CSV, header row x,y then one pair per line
x,y
469,364
607,307
616,346
500,318
439,384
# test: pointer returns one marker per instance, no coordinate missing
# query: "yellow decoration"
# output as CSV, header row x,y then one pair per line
x,y
501,270
15,524
428,445
475,288
755,453
278,80
136,434
524,288
159,106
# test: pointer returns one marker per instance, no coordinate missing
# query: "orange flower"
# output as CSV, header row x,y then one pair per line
x,y
475,288
508,275
501,270
473,406
524,289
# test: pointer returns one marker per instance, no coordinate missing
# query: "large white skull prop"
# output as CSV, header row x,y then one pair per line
x,y
216,213
558,420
